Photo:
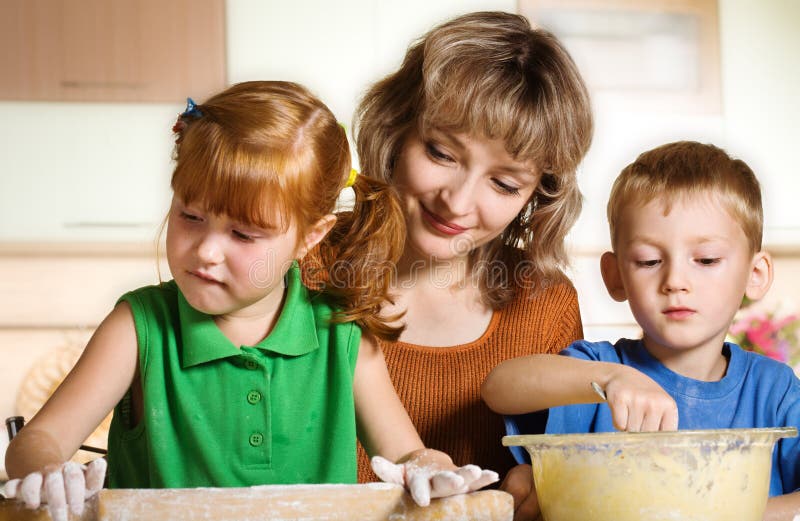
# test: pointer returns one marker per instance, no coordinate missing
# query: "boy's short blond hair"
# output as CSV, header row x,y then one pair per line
x,y
687,168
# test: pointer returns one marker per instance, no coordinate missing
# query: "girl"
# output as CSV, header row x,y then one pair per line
x,y
480,131
233,373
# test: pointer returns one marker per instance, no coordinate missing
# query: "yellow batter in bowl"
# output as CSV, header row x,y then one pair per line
x,y
701,475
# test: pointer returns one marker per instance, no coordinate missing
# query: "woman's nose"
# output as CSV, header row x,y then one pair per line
x,y
459,196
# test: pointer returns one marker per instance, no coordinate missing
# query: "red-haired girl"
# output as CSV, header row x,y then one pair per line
x,y
234,373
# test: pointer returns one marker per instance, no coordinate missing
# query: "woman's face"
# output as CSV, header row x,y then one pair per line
x,y
459,191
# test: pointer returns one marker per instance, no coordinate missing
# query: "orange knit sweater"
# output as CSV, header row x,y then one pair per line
x,y
440,386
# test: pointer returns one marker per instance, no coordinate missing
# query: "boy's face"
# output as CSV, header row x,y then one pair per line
x,y
684,274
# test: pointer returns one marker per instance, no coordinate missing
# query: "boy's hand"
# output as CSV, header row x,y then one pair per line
x,y
428,474
67,485
638,403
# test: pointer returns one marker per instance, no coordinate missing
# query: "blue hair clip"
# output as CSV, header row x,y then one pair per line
x,y
191,112
191,109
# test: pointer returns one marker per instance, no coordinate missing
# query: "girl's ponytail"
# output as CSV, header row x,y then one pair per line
x,y
359,257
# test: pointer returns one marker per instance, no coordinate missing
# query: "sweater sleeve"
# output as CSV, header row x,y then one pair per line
x,y
571,323
567,327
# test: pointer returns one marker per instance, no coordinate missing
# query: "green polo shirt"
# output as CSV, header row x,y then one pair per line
x,y
222,415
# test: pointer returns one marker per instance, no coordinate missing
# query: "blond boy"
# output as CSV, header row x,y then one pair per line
x,y
686,225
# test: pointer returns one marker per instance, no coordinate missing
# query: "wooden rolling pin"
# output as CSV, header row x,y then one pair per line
x,y
368,502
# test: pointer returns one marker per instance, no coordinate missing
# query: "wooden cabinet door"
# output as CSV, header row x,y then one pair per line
x,y
111,50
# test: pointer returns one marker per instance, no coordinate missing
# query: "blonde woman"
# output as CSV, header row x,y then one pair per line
x,y
480,131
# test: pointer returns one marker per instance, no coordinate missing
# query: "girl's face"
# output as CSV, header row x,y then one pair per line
x,y
459,191
223,267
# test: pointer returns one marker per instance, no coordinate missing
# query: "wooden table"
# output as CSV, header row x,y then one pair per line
x,y
367,502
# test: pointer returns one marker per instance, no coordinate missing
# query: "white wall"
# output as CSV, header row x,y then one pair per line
x,y
335,48
761,80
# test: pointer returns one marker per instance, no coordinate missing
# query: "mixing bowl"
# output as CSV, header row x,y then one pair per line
x,y
699,475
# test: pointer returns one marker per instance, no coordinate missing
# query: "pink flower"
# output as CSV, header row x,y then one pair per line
x,y
765,334
743,324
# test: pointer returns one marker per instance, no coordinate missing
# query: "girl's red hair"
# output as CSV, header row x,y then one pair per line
x,y
267,153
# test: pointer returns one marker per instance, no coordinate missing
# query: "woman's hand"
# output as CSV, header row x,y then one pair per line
x,y
519,483
67,485
428,474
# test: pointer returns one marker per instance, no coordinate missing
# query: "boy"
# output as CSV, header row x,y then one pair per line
x,y
686,225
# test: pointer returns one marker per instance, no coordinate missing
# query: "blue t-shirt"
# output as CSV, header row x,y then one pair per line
x,y
756,391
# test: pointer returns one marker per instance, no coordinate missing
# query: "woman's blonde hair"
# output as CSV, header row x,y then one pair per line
x,y
685,169
269,153
490,74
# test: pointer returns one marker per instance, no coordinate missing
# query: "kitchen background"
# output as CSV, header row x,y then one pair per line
x,y
84,184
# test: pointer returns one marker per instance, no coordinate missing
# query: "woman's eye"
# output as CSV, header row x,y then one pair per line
x,y
435,153
506,188
708,261
648,263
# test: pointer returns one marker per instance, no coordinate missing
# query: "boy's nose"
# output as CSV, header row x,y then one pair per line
x,y
675,280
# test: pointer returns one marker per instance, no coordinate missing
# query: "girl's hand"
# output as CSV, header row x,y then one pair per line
x,y
638,403
428,474
67,485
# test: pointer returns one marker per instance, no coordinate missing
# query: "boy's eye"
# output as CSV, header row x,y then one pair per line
x,y
648,263
708,261
434,152
506,188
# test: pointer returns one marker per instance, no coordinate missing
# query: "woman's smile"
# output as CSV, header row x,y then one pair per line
x,y
440,224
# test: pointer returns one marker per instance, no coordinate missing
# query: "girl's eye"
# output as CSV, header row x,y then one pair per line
x,y
243,236
650,263
190,217
434,152
708,261
506,188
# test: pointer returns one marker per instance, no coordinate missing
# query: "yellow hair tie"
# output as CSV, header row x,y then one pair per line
x,y
352,179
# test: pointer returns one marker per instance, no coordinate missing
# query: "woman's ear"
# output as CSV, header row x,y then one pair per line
x,y
611,276
761,274
315,234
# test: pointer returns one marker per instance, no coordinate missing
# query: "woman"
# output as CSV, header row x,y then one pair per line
x,y
480,131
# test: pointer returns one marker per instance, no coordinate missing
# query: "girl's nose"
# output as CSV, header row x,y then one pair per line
x,y
209,249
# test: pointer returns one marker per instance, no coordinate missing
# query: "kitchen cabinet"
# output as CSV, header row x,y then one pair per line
x,y
110,50
90,159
